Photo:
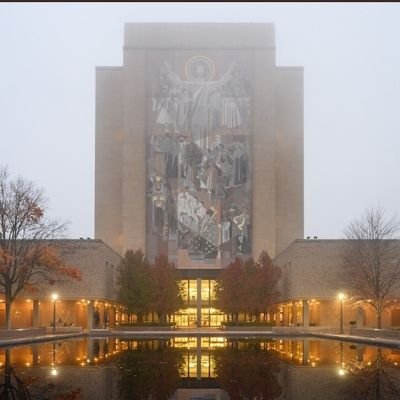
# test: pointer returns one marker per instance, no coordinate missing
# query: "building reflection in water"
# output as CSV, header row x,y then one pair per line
x,y
199,367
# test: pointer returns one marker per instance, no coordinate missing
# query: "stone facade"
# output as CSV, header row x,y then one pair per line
x,y
97,264
79,302
215,89
311,269
313,276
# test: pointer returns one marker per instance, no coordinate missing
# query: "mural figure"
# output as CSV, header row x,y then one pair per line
x,y
242,223
198,162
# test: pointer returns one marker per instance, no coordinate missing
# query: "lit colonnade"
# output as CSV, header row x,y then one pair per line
x,y
85,304
70,313
314,290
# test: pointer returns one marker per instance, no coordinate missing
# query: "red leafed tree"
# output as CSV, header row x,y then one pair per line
x,y
263,286
167,293
230,291
248,287
27,257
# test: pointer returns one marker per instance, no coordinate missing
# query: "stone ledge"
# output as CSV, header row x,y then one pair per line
x,y
376,333
64,329
247,328
18,333
287,330
143,328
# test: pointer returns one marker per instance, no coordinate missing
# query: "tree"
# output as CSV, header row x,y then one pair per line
x,y
263,279
28,257
248,287
230,290
167,296
146,287
371,257
134,278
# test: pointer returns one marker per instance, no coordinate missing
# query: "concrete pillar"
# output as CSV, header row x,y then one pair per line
x,y
294,314
306,313
90,310
198,302
75,307
133,151
286,315
117,316
35,314
360,317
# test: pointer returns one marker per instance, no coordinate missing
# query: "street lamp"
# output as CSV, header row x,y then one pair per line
x,y
54,298
341,297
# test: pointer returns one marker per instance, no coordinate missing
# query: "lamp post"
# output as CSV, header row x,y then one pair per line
x,y
54,297
341,297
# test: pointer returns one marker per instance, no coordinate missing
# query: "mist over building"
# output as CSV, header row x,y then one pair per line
x,y
199,144
199,149
199,156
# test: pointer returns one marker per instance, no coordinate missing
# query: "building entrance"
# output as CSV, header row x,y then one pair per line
x,y
199,298
186,318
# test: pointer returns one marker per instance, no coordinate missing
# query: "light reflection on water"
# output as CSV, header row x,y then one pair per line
x,y
199,368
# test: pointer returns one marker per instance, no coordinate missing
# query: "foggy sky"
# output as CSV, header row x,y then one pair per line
x,y
351,59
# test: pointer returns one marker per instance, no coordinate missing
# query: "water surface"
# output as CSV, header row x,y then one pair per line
x,y
202,368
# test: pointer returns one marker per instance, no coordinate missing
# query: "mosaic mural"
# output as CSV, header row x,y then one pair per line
x,y
199,166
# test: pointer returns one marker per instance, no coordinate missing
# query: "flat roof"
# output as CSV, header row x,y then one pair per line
x,y
199,36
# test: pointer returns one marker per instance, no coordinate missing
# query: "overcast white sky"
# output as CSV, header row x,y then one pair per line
x,y
351,59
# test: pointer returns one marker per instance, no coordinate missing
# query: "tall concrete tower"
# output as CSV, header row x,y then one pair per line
x,y
199,145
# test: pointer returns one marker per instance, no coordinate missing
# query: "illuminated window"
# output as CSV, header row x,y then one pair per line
x,y
192,291
205,291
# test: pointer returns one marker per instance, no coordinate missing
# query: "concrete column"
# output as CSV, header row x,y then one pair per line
x,y
35,314
264,149
134,150
198,302
90,310
285,316
75,307
306,313
117,317
294,314
360,317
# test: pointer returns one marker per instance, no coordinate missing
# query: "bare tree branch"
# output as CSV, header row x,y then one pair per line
x,y
27,257
371,256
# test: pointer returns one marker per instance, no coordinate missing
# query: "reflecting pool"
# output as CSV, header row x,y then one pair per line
x,y
199,368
